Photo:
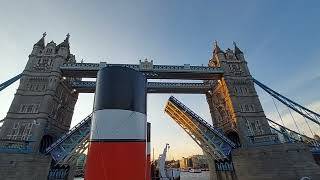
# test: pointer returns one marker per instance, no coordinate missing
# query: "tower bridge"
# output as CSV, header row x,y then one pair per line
x,y
242,143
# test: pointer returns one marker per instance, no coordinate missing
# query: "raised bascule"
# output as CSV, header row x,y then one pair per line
x,y
241,144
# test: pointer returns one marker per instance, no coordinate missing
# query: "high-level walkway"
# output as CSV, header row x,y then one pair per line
x,y
89,70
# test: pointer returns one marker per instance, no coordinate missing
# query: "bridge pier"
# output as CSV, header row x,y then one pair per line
x,y
281,161
24,166
212,168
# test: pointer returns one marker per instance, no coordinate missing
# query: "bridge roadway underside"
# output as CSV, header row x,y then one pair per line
x,y
152,87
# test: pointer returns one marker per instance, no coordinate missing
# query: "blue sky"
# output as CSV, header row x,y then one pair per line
x,y
280,41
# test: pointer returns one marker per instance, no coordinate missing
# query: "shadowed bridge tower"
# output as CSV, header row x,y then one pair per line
x,y
41,110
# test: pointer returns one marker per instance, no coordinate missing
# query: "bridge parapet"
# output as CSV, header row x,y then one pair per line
x,y
186,67
179,85
93,66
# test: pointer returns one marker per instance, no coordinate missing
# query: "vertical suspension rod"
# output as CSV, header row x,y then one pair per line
x,y
294,120
307,113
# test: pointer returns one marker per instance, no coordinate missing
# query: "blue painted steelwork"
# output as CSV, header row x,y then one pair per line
x,y
185,88
65,147
153,87
24,150
9,82
59,172
15,146
291,135
150,71
307,113
224,166
208,137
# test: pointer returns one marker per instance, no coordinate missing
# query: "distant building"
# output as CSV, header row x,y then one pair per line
x,y
173,164
184,163
199,161
195,161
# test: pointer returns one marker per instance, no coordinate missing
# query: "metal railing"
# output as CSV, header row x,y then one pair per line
x,y
205,135
69,133
205,123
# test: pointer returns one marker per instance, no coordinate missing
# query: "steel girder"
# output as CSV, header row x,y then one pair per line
x,y
72,143
209,138
9,82
152,87
90,70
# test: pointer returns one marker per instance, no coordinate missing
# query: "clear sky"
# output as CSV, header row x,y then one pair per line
x,y
280,41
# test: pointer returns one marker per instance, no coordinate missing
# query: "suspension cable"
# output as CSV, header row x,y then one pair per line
x,y
278,111
9,82
307,113
308,126
295,123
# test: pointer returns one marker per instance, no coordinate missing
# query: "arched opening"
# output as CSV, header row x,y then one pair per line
x,y
234,137
46,141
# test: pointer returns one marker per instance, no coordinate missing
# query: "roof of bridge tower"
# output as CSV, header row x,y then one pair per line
x,y
41,43
65,43
217,49
236,49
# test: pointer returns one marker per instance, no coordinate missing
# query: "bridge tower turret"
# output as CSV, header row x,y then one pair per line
x,y
39,46
234,103
42,108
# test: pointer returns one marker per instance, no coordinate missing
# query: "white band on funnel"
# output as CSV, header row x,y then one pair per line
x,y
117,125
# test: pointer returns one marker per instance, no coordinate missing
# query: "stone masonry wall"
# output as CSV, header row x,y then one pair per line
x,y
276,162
24,166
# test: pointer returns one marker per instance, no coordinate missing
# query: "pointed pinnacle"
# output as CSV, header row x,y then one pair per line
x,y
236,49
216,48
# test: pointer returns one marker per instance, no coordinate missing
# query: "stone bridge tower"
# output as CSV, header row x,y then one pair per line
x,y
234,103
236,109
42,108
